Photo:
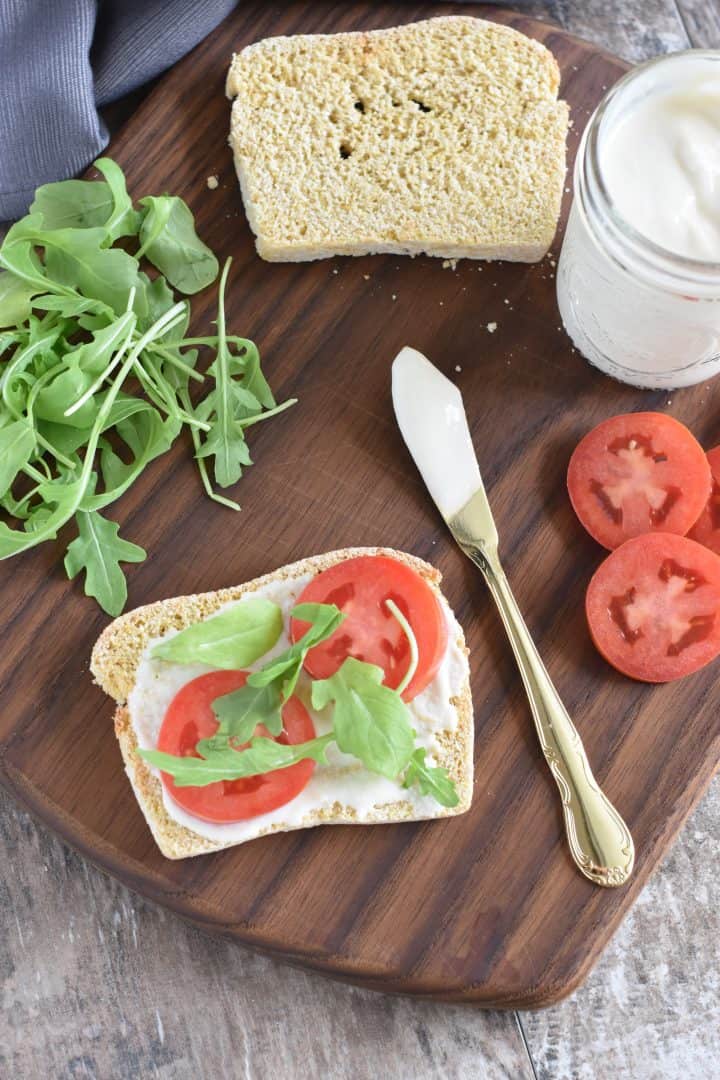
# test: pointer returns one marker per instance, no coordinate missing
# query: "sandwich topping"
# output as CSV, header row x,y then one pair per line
x,y
315,692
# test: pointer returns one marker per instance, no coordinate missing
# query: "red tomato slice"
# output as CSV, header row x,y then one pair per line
x,y
190,718
638,473
360,587
653,607
706,529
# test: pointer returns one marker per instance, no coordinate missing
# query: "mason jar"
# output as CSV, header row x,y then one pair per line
x,y
638,311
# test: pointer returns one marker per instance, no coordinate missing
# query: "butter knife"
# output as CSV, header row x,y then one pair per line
x,y
431,416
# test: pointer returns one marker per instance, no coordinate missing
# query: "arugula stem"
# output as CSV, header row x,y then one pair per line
x,y
210,341
250,420
34,474
176,362
412,642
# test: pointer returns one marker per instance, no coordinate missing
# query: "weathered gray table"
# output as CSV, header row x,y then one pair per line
x,y
97,983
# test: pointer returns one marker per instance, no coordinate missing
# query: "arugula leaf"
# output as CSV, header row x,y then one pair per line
x,y
226,441
432,780
370,720
123,220
99,550
18,255
262,756
240,711
235,638
168,239
147,435
89,204
231,405
15,297
285,668
17,444
76,258
73,204
260,700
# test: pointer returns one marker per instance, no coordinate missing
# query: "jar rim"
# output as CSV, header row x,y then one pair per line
x,y
649,250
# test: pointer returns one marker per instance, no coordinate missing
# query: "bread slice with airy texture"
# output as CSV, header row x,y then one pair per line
x,y
117,658
444,137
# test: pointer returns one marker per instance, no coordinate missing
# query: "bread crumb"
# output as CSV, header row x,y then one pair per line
x,y
458,368
506,301
366,276
450,264
335,270
212,182
491,327
394,296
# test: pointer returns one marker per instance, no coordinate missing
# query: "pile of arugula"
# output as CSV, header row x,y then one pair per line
x,y
96,366
369,720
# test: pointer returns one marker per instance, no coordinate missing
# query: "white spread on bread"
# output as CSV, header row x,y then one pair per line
x,y
344,780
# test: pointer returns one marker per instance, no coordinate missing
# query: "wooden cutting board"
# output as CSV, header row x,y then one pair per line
x,y
487,908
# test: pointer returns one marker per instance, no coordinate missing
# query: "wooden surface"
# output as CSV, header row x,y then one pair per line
x,y
82,998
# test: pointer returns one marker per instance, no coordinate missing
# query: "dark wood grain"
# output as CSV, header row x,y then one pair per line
x,y
487,908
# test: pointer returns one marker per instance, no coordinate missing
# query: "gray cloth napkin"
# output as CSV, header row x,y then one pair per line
x,y
61,59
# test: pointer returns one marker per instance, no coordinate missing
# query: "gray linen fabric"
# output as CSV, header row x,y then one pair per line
x,y
60,59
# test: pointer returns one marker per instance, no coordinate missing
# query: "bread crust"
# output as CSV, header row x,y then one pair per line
x,y
114,664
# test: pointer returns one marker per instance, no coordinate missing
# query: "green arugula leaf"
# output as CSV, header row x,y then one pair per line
x,y
370,720
168,239
76,259
226,443
18,255
99,550
233,639
15,299
432,780
73,204
284,669
260,700
17,443
147,436
262,756
89,204
240,711
226,440
123,220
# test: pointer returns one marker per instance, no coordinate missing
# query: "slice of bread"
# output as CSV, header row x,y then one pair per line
x,y
114,664
444,137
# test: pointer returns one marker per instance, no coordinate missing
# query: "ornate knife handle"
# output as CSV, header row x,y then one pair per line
x,y
599,839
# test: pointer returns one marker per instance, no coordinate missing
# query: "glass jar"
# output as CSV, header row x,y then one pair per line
x,y
634,309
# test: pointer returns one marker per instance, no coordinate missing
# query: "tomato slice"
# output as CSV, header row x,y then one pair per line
x,y
190,718
653,607
706,529
638,473
360,587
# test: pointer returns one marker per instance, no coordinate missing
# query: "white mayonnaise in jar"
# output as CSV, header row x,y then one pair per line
x,y
638,280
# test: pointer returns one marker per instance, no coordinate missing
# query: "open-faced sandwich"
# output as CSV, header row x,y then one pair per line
x,y
335,690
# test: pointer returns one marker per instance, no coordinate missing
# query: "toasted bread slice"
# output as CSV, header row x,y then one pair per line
x,y
119,651
444,137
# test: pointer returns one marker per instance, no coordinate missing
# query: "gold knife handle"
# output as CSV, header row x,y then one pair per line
x,y
599,839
